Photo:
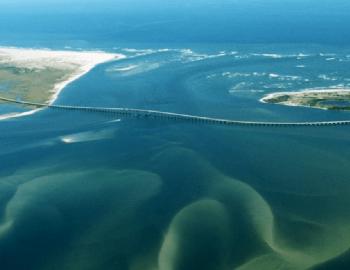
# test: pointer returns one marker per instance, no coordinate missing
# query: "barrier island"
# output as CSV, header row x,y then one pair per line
x,y
330,99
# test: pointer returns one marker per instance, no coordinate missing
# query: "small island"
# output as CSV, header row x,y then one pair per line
x,y
39,75
330,99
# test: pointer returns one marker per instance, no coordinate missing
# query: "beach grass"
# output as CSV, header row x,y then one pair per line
x,y
31,84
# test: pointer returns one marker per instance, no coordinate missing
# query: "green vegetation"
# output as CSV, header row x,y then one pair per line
x,y
327,100
32,84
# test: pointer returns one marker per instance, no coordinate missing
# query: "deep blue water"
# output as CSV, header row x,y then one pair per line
x,y
89,191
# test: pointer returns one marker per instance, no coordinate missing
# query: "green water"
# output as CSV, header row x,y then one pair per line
x,y
90,191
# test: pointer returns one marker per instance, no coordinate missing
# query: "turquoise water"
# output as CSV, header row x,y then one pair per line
x,y
94,191
90,191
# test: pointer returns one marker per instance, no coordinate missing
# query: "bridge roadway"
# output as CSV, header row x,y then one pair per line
x,y
139,113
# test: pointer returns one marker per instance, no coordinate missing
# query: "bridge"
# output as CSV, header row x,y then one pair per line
x,y
153,114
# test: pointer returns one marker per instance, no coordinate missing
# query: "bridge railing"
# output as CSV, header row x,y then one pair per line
x,y
140,113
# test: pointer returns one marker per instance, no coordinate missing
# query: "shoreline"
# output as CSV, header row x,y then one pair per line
x,y
300,93
60,86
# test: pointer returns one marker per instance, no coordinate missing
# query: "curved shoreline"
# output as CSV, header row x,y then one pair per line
x,y
302,94
60,86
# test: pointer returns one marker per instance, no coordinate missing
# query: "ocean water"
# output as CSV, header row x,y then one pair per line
x,y
85,190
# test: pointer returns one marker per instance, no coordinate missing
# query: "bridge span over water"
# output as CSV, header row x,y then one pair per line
x,y
153,114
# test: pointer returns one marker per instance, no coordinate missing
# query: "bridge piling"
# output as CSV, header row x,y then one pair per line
x,y
152,114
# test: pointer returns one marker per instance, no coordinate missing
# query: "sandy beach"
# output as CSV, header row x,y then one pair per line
x,y
74,64
307,97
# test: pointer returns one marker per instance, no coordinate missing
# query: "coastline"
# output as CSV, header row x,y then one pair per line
x,y
275,95
101,57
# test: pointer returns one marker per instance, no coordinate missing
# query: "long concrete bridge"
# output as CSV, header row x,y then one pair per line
x,y
139,113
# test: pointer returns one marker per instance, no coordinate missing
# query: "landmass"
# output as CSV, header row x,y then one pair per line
x,y
330,99
39,75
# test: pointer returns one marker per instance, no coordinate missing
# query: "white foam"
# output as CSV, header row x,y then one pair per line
x,y
135,69
144,52
188,55
326,78
122,69
327,54
302,55
299,56
270,55
274,75
242,74
88,136
284,77
114,121
235,74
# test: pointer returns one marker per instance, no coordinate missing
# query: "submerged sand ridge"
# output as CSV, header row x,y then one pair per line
x,y
41,74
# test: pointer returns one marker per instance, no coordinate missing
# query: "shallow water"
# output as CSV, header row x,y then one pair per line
x,y
90,191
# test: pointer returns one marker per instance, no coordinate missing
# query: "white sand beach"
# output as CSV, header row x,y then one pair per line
x,y
304,98
75,63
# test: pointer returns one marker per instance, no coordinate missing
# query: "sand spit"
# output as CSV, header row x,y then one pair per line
x,y
314,98
74,63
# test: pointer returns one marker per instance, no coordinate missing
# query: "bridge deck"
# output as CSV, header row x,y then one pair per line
x,y
176,116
